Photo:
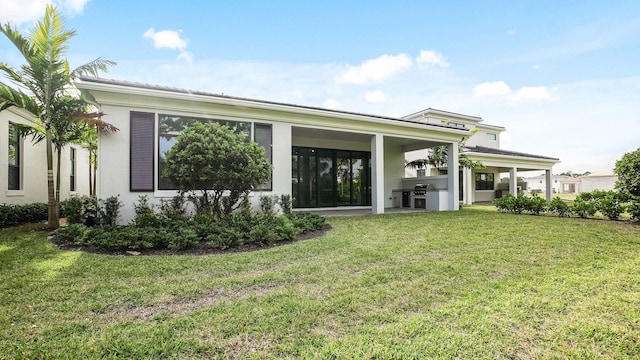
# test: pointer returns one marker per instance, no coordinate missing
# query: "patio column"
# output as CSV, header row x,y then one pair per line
x,y
452,176
377,174
467,186
513,181
547,178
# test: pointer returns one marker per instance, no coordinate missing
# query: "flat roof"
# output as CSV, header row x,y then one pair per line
x,y
494,151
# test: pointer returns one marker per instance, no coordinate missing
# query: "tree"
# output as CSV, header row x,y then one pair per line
x,y
438,157
219,165
628,171
46,78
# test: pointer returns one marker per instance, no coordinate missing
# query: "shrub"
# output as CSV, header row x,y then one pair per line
x,y
207,156
610,204
559,207
633,208
583,206
74,233
535,204
81,210
286,229
183,238
21,214
264,232
268,205
225,237
308,222
110,211
506,203
285,203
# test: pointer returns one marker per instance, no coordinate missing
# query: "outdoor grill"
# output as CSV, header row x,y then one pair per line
x,y
420,189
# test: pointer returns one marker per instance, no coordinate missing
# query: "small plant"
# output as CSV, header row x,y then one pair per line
x,y
81,210
268,205
536,204
583,206
559,207
110,211
285,203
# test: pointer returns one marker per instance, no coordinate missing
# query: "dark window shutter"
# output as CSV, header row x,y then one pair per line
x,y
141,156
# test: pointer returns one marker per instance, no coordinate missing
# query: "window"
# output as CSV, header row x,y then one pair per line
x,y
170,126
72,170
484,181
492,137
454,124
14,158
263,135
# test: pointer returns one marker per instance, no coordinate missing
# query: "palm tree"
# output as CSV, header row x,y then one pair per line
x,y
46,78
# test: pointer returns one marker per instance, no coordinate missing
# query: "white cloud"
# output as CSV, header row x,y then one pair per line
x,y
376,70
497,88
75,6
536,67
500,89
19,12
375,96
512,32
428,57
331,104
533,93
169,39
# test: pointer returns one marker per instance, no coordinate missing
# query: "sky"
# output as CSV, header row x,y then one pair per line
x,y
563,77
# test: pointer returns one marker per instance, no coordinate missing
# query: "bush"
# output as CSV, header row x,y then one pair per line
x,y
224,237
308,222
285,203
22,214
81,210
183,238
535,204
583,206
559,207
611,204
633,208
110,211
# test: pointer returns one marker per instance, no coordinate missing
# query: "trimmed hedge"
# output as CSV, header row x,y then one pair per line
x,y
11,215
610,204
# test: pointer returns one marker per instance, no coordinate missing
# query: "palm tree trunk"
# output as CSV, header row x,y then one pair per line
x,y
90,182
59,151
53,221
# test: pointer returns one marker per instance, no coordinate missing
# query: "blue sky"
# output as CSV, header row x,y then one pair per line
x,y
562,76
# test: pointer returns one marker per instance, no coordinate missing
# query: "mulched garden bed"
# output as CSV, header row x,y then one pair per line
x,y
200,249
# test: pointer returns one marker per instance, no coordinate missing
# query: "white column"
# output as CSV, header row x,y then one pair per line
x,y
453,177
467,185
547,179
513,181
377,174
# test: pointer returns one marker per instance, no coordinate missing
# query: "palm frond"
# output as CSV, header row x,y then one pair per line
x,y
92,68
11,97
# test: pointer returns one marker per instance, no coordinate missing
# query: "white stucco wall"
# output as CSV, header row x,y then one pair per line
x,y
393,171
590,183
34,165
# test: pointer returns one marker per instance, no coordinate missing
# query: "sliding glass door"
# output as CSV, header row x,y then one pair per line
x,y
327,177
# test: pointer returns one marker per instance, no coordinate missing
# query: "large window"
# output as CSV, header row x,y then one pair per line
x,y
14,158
327,177
170,127
484,181
72,170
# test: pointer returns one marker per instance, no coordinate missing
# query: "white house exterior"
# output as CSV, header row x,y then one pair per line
x,y
484,146
24,164
601,180
539,183
323,158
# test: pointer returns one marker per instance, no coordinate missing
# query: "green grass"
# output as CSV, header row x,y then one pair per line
x,y
467,284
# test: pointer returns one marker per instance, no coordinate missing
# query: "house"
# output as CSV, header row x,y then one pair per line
x,y
539,183
323,158
26,164
483,145
601,180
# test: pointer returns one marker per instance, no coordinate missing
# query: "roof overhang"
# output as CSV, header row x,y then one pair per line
x,y
506,162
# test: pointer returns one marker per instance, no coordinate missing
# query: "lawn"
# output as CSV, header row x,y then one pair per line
x,y
467,284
